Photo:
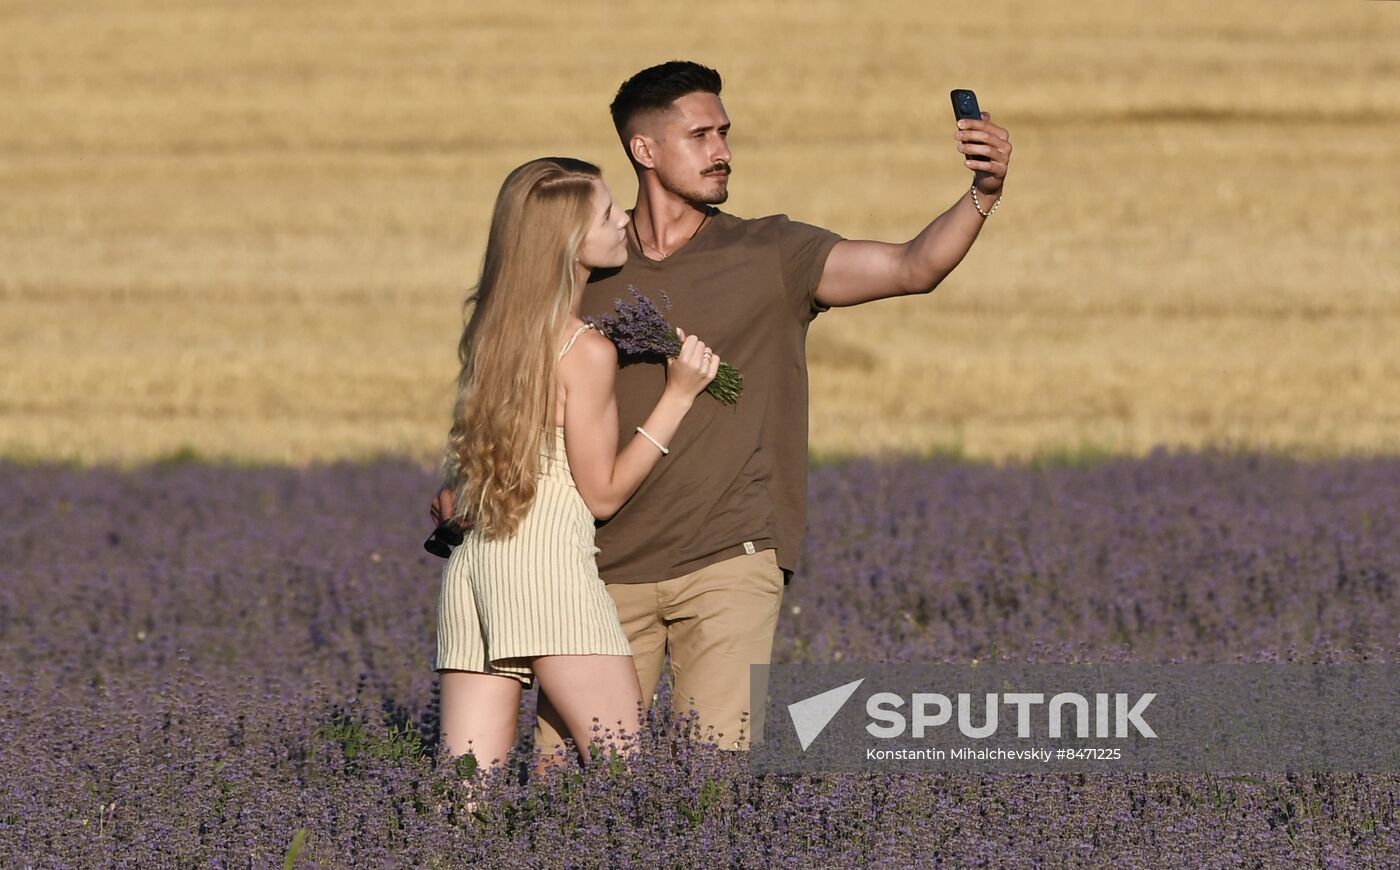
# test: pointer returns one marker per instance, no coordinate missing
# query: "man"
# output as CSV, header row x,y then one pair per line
x,y
697,560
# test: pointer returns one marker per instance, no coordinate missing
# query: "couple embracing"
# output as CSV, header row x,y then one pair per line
x,y
615,515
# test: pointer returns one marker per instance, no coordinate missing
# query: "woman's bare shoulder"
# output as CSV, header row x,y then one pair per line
x,y
590,354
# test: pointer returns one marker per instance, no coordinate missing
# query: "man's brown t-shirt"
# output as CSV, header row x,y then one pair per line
x,y
736,477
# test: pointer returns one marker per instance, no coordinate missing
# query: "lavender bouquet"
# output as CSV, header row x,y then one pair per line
x,y
642,333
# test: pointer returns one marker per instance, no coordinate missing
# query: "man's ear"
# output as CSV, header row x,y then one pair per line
x,y
640,146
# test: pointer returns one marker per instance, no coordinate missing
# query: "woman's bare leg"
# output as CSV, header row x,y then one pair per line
x,y
479,715
584,688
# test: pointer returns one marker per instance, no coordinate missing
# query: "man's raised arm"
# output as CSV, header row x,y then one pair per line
x,y
861,271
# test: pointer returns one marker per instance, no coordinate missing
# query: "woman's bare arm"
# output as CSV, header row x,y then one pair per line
x,y
605,477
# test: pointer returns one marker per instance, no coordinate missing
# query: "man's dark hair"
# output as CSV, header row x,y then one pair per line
x,y
658,87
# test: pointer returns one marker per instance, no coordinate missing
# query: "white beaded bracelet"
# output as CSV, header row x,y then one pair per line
x,y
647,435
978,205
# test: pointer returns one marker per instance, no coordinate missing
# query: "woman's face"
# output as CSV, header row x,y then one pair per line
x,y
605,246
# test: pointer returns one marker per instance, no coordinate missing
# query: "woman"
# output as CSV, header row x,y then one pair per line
x,y
532,460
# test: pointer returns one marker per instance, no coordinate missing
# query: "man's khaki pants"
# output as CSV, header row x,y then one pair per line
x,y
715,622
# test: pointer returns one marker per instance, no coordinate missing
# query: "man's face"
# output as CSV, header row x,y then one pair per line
x,y
689,150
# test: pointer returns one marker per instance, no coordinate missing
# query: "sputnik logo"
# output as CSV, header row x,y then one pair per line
x,y
811,715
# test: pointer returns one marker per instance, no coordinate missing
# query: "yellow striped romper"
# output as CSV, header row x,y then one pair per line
x,y
535,593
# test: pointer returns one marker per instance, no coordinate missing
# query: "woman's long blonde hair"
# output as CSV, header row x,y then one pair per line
x,y
506,391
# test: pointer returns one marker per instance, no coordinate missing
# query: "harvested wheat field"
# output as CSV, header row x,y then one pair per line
x,y
245,229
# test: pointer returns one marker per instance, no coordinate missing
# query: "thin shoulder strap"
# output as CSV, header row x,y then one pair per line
x,y
573,338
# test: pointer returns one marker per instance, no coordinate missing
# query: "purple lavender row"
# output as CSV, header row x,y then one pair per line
x,y
642,334
205,665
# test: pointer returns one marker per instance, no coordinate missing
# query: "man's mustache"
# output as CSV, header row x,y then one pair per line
x,y
718,169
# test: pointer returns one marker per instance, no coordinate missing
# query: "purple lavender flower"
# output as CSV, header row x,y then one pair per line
x,y
218,658
642,334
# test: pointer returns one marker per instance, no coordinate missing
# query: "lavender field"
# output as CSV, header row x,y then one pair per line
x,y
225,666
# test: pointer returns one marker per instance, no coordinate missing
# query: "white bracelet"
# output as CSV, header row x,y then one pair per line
x,y
978,205
647,435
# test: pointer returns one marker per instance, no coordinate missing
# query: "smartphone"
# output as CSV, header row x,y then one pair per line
x,y
965,105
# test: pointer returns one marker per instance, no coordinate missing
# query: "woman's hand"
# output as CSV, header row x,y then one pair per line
x,y
443,504
692,369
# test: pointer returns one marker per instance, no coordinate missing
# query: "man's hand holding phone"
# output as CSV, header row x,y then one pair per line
x,y
985,147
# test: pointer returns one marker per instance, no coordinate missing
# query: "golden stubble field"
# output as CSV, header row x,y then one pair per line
x,y
245,228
